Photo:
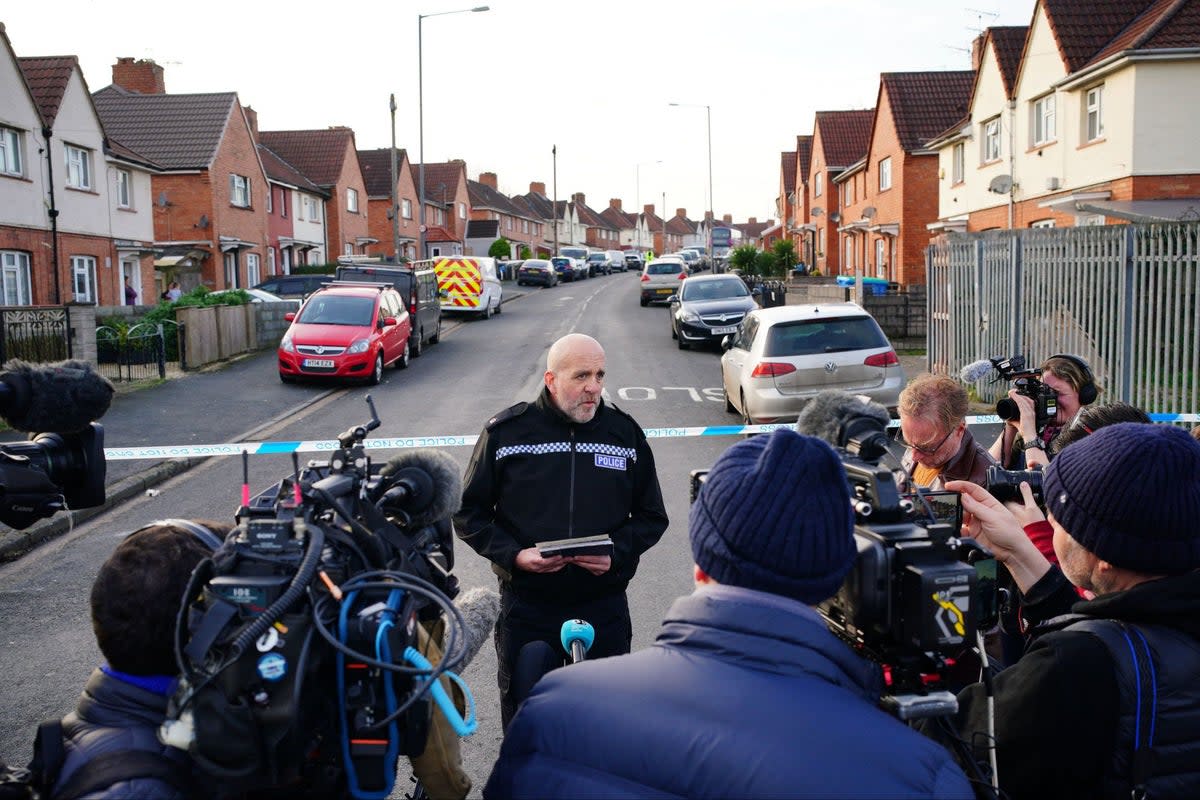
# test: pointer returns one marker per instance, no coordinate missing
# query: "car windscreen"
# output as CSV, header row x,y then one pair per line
x,y
338,310
538,264
666,268
816,336
714,290
561,262
597,257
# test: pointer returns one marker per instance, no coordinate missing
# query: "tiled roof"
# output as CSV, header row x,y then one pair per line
x,y
844,135
680,226
47,78
524,207
804,155
441,179
484,196
924,103
538,204
436,233
619,219
592,219
318,154
1007,43
178,131
280,170
1083,29
122,152
753,230
377,169
1165,24
483,229
787,163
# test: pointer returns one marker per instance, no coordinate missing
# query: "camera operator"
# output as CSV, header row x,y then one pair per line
x,y
745,693
1104,703
1021,444
933,428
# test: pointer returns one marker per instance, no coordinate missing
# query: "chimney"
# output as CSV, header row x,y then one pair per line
x,y
681,213
977,51
708,216
615,203
489,179
578,200
142,77
648,208
727,219
753,221
252,118
537,188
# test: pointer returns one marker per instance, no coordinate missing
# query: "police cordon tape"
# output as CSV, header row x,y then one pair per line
x,y
401,443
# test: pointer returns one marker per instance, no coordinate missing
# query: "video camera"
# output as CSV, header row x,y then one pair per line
x,y
1029,383
300,645
1005,484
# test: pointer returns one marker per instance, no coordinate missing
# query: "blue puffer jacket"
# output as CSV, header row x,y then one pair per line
x,y
744,694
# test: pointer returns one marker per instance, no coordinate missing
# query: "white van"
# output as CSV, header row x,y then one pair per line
x,y
469,284
617,258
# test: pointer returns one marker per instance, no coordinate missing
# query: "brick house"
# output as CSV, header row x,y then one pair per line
x,y
377,177
295,215
684,228
600,232
785,201
210,195
663,237
803,232
559,222
447,207
839,140
890,196
514,222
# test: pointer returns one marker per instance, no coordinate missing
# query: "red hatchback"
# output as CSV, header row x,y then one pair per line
x,y
346,331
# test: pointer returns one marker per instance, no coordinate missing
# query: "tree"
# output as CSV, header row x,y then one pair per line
x,y
785,255
526,252
765,263
501,248
743,258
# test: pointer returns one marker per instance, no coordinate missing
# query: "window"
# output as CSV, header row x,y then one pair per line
x,y
270,199
991,140
958,163
349,249
271,260
524,226
406,208
283,204
239,191
79,167
849,253
251,269
885,174
1042,123
124,189
231,270
14,278
1095,113
880,258
10,152
462,210
819,185
1042,223
83,278
352,200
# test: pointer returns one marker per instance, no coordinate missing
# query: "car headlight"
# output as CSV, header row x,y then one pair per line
x,y
286,344
689,316
359,346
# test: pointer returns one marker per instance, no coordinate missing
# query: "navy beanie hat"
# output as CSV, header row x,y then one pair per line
x,y
1130,494
774,515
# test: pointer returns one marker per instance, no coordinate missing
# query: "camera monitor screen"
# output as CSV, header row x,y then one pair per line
x,y
944,506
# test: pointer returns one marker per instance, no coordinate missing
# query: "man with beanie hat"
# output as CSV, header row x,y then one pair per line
x,y
745,693
1105,701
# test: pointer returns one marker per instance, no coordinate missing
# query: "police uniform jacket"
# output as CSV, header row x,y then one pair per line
x,y
537,475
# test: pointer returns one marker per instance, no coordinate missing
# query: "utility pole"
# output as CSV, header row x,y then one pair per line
x,y
554,210
395,211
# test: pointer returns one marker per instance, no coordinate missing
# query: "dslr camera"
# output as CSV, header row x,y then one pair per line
x,y
1029,383
1005,484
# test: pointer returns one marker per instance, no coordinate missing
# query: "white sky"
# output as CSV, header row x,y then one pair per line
x,y
501,87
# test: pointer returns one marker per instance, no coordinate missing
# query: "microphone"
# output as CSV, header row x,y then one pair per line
x,y
577,637
845,421
425,484
975,370
480,608
52,398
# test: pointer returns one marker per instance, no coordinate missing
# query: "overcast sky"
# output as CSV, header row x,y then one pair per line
x,y
502,87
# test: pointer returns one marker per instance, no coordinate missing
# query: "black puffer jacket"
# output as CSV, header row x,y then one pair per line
x,y
536,475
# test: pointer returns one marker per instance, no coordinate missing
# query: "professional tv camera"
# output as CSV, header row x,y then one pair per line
x,y
62,466
300,648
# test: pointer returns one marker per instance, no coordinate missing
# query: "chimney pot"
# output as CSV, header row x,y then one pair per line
x,y
489,179
754,220
728,219
142,77
615,203
537,187
648,208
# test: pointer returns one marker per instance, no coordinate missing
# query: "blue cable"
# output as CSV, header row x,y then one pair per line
x,y
463,727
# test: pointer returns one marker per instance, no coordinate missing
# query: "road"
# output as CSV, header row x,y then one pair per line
x,y
478,369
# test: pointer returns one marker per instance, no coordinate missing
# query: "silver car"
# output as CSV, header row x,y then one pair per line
x,y
781,357
662,278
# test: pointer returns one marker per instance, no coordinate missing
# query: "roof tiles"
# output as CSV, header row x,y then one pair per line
x,y
319,154
844,135
923,104
804,156
177,131
1007,43
1165,24
1083,29
377,169
48,78
787,164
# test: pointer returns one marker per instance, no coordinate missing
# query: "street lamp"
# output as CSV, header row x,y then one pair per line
x,y
421,119
637,175
711,204
394,212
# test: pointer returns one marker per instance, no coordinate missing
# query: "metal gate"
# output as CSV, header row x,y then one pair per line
x,y
133,354
36,335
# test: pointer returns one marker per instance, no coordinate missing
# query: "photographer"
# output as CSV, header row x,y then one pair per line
x,y
933,429
1022,443
1104,703
745,693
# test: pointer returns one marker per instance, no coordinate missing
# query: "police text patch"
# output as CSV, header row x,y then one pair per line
x,y
610,462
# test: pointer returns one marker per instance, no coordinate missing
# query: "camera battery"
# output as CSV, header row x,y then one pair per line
x,y
268,535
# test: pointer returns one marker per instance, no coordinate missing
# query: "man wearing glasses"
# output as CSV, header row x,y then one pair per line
x,y
933,430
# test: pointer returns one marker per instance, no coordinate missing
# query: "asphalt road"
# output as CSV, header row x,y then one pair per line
x,y
478,369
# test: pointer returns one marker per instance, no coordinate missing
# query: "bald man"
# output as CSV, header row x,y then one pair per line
x,y
566,465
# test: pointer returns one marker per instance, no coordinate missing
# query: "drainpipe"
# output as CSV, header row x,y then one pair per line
x,y
1012,143
53,217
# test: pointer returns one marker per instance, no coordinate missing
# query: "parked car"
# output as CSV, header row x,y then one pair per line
x,y
662,278
701,256
300,286
469,284
580,254
690,258
708,308
617,258
347,331
261,296
419,288
599,264
566,268
537,271
782,357
634,260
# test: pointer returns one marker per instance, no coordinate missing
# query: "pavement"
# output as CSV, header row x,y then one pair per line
x,y
180,412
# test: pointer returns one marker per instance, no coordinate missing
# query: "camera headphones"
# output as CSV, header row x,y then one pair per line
x,y
203,534
1087,390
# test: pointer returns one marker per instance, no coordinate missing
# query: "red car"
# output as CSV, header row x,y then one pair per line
x,y
346,331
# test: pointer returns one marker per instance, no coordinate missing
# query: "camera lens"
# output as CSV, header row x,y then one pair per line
x,y
1006,409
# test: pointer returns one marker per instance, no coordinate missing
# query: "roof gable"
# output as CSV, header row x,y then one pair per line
x,y
442,179
923,104
619,219
47,78
484,196
376,168
176,131
804,145
787,165
1008,42
844,135
279,170
318,154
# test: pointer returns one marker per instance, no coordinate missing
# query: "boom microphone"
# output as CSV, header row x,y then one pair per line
x,y
52,398
848,422
480,608
975,370
425,483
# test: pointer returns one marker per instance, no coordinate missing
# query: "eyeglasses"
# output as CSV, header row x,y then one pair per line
x,y
925,451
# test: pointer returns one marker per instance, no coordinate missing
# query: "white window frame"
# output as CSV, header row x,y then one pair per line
x,y
83,279
406,208
819,185
239,190
230,263
958,163
990,141
12,143
15,287
1093,113
880,258
252,272
1042,126
462,210
79,167
352,200
885,174
270,199
283,202
271,261
124,188
1043,223
349,249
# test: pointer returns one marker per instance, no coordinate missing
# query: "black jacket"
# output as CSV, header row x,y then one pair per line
x,y
536,475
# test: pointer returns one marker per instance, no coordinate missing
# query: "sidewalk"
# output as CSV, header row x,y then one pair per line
x,y
181,412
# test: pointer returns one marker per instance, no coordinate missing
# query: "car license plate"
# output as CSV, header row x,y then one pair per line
x,y
725,329
319,363
664,291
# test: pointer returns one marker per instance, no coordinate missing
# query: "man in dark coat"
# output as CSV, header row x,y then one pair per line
x,y
745,693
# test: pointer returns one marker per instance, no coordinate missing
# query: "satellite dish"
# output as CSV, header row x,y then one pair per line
x,y
1001,184
204,220
817,211
163,202
869,212
835,216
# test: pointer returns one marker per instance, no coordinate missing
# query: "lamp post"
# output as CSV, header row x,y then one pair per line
x,y
637,176
711,204
395,213
421,119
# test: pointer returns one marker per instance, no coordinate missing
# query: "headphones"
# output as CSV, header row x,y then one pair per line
x,y
1087,391
205,535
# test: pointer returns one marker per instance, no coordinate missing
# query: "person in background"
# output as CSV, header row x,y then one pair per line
x,y
1070,377
174,292
131,295
933,428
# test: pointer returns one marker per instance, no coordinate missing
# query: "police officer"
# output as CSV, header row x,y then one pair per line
x,y
566,465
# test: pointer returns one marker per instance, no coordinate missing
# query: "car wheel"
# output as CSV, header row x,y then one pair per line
x,y
729,407
402,361
644,302
414,344
746,420
377,371
674,335
286,378
682,344
499,307
520,283
487,311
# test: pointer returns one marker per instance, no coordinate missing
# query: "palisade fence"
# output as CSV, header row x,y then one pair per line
x,y
1123,297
